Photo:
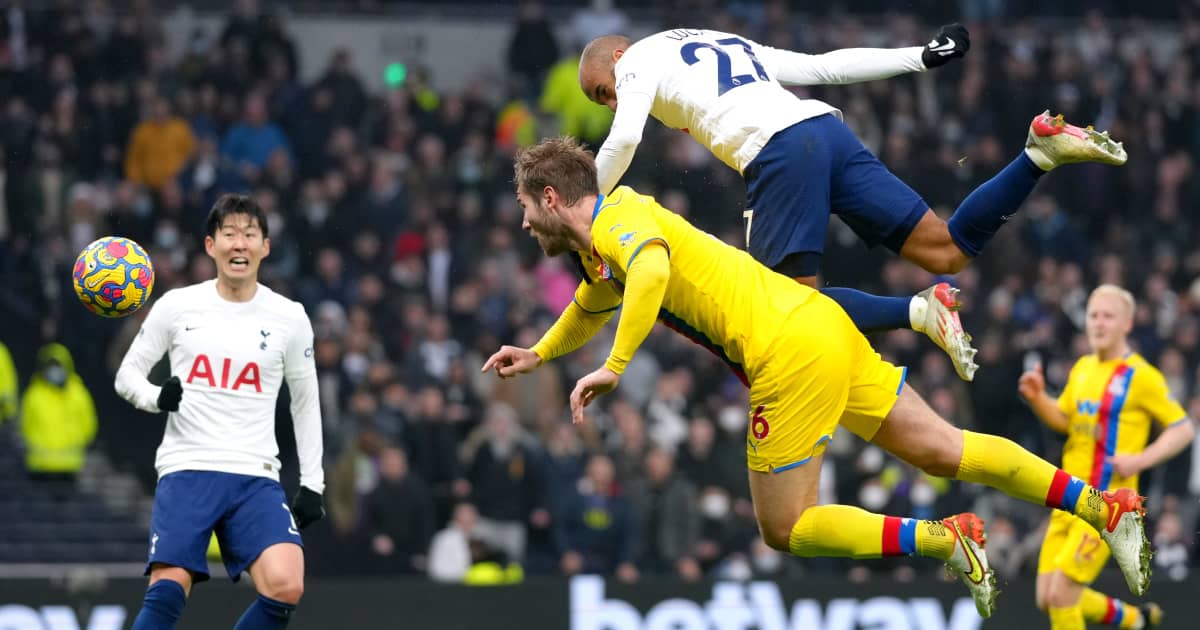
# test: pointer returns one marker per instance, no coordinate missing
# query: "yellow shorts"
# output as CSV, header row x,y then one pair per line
x,y
819,372
1074,547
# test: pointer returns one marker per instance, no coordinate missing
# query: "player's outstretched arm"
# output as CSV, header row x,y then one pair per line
x,y
592,307
1168,444
1032,387
148,346
855,65
624,136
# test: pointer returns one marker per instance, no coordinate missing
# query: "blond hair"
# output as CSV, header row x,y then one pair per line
x,y
1121,294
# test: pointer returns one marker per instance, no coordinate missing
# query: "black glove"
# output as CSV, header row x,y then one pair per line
x,y
307,507
170,394
950,42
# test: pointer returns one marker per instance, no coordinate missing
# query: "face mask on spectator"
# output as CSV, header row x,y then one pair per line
x,y
732,419
167,237
714,505
55,374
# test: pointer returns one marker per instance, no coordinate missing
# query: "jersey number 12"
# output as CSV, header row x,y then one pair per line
x,y
725,78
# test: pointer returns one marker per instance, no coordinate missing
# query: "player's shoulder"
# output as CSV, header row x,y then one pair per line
x,y
181,297
280,303
1143,370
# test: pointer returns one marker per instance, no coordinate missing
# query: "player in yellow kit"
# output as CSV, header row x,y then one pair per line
x,y
1110,401
807,366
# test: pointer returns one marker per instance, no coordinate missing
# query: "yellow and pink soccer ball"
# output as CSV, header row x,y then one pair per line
x,y
113,276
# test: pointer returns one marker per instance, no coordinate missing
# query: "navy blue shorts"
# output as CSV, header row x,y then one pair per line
x,y
247,513
815,167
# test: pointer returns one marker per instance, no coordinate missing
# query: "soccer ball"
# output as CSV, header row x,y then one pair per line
x,y
113,276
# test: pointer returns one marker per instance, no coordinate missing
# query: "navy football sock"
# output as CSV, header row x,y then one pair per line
x,y
871,313
976,220
161,607
265,614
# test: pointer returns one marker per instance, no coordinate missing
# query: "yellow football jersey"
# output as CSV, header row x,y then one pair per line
x,y
717,295
1110,406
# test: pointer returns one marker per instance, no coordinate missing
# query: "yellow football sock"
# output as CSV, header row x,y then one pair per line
x,y
1070,618
1100,608
1002,464
843,531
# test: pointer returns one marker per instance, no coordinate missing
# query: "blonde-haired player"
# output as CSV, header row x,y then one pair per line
x,y
1110,401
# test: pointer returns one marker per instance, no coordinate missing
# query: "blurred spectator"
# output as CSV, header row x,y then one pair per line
x,y
599,530
160,147
450,553
502,468
533,48
400,513
58,419
9,394
665,503
249,144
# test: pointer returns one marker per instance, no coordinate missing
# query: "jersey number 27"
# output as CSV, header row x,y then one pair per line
x,y
725,78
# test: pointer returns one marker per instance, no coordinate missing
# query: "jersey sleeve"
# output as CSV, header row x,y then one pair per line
x,y
148,347
1155,398
631,239
849,65
299,368
636,86
298,358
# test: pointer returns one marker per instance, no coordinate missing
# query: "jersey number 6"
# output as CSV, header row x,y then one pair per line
x,y
725,79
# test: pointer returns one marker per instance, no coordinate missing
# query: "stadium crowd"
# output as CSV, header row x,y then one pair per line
x,y
393,219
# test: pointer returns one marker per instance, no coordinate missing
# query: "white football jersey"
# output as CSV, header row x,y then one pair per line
x,y
232,359
727,91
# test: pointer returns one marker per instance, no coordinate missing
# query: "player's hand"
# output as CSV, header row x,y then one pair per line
x,y
307,507
170,394
1032,383
510,361
951,42
587,388
1128,465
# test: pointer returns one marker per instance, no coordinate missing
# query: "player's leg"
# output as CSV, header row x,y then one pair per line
x,y
278,576
797,401
185,506
882,210
946,247
1101,609
916,434
260,536
788,205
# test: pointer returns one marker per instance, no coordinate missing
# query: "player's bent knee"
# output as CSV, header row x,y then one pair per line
x,y
180,576
288,589
946,260
777,535
1061,596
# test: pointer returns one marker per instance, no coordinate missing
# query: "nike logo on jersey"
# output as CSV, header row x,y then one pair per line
x,y
190,328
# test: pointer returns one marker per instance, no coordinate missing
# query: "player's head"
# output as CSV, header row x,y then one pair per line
x,y
1109,317
597,68
552,176
236,237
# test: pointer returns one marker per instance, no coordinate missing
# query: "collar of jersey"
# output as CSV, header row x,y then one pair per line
x,y
596,208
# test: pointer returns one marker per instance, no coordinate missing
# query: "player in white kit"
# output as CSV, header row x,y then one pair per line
x,y
801,163
231,343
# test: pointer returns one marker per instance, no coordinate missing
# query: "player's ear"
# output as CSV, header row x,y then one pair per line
x,y
617,53
266,247
549,196
208,246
